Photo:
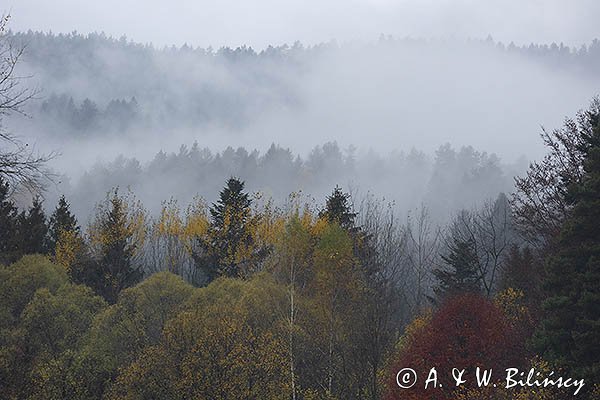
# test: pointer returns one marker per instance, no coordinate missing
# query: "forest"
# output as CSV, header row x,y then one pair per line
x,y
165,271
246,299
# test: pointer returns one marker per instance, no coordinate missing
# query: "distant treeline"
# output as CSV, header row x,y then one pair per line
x,y
188,85
450,180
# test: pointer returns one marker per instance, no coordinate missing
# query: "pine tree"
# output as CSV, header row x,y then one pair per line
x,y
61,221
8,217
461,274
570,331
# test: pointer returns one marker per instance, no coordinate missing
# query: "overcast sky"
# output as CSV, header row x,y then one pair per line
x,y
261,22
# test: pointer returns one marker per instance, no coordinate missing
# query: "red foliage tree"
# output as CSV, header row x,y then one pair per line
x,y
466,332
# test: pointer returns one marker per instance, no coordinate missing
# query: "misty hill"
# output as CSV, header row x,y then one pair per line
x,y
94,82
371,103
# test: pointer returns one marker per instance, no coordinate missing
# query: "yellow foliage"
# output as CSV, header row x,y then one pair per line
x,y
130,224
500,392
169,222
510,301
227,345
68,247
196,223
319,226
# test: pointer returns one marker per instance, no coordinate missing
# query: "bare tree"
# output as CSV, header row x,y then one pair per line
x,y
385,306
539,202
422,252
490,229
20,165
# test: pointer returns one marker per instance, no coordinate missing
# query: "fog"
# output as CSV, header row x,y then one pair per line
x,y
447,121
264,22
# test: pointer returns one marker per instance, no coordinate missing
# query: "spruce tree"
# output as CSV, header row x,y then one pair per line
x,y
570,331
116,235
229,248
32,230
61,221
8,220
460,273
338,209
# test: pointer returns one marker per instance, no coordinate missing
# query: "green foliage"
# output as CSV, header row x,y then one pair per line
x,y
44,319
22,279
338,209
229,248
226,344
461,274
570,331
32,229
123,330
8,224
61,221
117,234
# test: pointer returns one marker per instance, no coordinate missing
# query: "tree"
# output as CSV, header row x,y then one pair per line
x,y
337,289
540,201
8,222
228,248
293,253
465,330
570,331
19,164
461,274
422,252
19,284
52,328
117,236
123,331
338,209
62,222
383,283
32,230
226,343
490,230
524,272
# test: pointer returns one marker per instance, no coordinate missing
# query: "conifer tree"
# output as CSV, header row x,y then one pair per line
x,y
570,331
117,234
460,274
338,209
228,249
32,230
8,216
61,222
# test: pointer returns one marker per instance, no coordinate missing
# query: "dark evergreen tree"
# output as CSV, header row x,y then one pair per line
x,y
461,272
8,222
520,271
229,249
570,331
32,230
338,209
113,235
61,220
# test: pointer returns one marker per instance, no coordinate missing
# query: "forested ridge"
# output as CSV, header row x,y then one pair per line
x,y
250,298
291,264
186,86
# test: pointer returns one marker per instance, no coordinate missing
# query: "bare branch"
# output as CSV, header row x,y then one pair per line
x,y
20,164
